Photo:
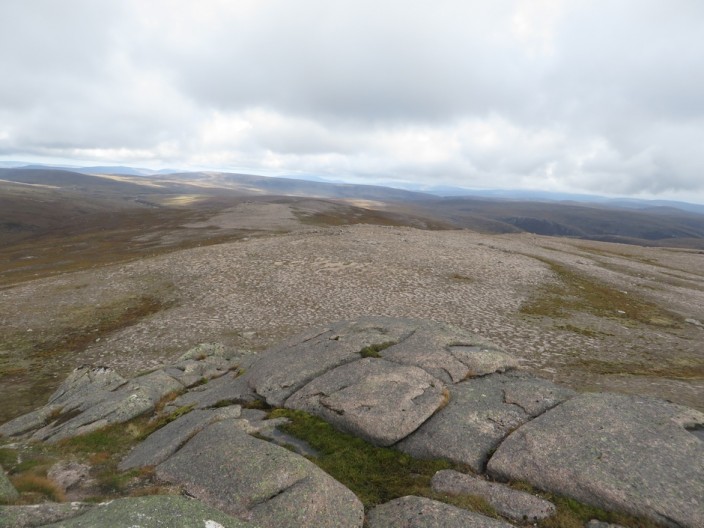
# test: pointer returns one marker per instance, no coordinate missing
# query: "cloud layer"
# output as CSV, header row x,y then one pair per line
x,y
579,95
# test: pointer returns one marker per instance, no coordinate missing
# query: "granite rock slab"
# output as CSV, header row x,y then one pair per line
x,y
164,442
259,482
480,414
286,368
374,399
617,452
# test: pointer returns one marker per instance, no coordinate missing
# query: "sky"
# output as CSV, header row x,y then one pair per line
x,y
596,96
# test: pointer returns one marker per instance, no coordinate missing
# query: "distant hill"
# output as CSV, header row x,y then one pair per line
x,y
663,226
660,223
248,183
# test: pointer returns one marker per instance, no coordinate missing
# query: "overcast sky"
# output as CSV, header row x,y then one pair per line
x,y
602,96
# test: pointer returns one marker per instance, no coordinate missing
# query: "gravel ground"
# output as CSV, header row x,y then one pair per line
x,y
253,292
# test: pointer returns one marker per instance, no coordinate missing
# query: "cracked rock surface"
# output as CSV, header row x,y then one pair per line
x,y
617,452
258,481
374,399
481,413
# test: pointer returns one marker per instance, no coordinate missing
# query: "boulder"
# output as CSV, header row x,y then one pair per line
x,y
623,453
164,442
374,399
286,368
8,492
508,502
156,511
40,514
258,481
481,413
419,512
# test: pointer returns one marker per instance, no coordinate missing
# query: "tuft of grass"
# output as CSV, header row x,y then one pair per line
x,y
256,404
373,350
375,474
576,292
672,368
38,484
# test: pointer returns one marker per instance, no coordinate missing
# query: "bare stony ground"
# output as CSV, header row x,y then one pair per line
x,y
251,293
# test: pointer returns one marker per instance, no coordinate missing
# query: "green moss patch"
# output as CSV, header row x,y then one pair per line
x,y
375,474
373,350
575,292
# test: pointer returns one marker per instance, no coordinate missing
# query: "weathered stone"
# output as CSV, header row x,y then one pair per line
x,y
481,412
419,512
258,481
190,372
40,514
448,353
85,387
7,490
282,370
374,399
128,401
204,351
511,503
29,422
444,351
156,511
67,474
226,389
616,452
164,442
88,384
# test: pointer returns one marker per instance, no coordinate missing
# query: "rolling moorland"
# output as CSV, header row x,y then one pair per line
x,y
129,271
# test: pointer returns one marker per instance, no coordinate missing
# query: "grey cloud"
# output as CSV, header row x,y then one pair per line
x,y
581,94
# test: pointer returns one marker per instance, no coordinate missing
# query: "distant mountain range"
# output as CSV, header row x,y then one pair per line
x,y
273,183
645,222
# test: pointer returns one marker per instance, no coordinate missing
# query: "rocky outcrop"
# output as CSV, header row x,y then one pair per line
x,y
258,481
419,512
511,503
94,397
617,452
444,351
481,413
387,381
153,512
374,399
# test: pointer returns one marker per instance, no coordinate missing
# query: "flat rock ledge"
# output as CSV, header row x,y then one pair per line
x,y
258,481
512,504
419,512
623,453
